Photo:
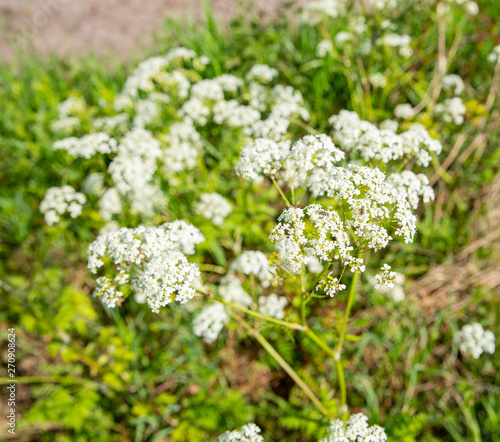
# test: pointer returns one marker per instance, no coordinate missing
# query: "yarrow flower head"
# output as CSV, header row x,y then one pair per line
x,y
61,200
214,207
248,433
151,259
356,429
474,340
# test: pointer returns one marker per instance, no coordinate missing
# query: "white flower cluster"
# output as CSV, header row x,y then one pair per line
x,y
356,429
273,305
214,207
401,42
151,259
386,279
231,290
368,196
324,48
494,55
474,340
87,146
452,110
330,8
403,111
453,83
378,80
331,285
133,168
183,144
254,262
354,134
248,433
109,124
396,292
262,73
69,112
210,322
60,200
411,186
328,238
290,164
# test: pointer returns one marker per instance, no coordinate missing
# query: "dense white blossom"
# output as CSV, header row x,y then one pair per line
x,y
378,80
261,73
87,146
213,207
253,262
151,259
210,321
118,121
324,48
248,433
453,83
474,340
356,429
229,83
412,186
264,157
273,305
231,290
110,203
452,110
207,90
196,111
331,8
401,42
93,184
403,111
183,144
418,143
61,200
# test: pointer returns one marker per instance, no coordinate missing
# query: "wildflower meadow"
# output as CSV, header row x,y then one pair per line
x,y
282,228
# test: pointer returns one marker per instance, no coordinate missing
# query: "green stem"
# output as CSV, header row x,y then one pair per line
x,y
284,365
291,325
281,193
340,343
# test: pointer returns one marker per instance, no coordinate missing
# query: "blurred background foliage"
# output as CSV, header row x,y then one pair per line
x,y
90,373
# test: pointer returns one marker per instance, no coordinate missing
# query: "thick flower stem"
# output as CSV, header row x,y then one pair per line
x,y
284,365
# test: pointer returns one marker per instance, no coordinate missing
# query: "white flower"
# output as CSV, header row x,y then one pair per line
x,y
371,200
389,125
324,48
248,433
195,110
235,115
110,204
331,8
314,265
418,142
229,83
343,37
452,110
61,200
207,90
231,290
471,8
412,186
94,184
107,292
331,286
261,73
87,146
152,259
494,55
403,111
209,322
253,262
356,429
402,42
378,80
183,145
454,83
213,207
386,279
111,123
474,340
273,306
396,293
72,106
65,125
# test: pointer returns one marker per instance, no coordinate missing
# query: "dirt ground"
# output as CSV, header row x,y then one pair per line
x,y
63,27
